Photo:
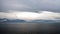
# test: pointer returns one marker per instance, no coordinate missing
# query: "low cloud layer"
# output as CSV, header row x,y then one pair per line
x,y
45,15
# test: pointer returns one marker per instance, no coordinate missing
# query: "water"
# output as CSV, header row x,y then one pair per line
x,y
29,28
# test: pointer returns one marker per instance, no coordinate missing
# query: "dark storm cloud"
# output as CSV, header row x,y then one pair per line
x,y
29,5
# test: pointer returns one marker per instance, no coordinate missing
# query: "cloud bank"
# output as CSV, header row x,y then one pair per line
x,y
24,15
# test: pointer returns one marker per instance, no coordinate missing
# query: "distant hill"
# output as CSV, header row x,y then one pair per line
x,y
45,21
32,21
17,20
8,20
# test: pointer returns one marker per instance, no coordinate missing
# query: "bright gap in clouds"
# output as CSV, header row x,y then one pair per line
x,y
42,15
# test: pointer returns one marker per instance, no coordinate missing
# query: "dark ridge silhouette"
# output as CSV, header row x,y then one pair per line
x,y
8,20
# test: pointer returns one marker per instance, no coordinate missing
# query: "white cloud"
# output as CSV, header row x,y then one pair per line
x,y
45,15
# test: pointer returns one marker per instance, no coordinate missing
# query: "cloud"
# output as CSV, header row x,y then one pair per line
x,y
24,15
51,5
14,5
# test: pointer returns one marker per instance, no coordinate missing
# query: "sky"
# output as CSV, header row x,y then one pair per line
x,y
31,7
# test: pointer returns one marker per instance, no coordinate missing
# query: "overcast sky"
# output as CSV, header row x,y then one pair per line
x,y
47,9
30,5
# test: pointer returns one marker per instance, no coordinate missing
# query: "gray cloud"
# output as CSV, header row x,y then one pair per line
x,y
31,5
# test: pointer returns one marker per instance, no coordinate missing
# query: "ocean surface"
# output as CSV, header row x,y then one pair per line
x,y
29,28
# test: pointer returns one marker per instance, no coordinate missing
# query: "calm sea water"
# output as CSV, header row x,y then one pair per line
x,y
25,28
